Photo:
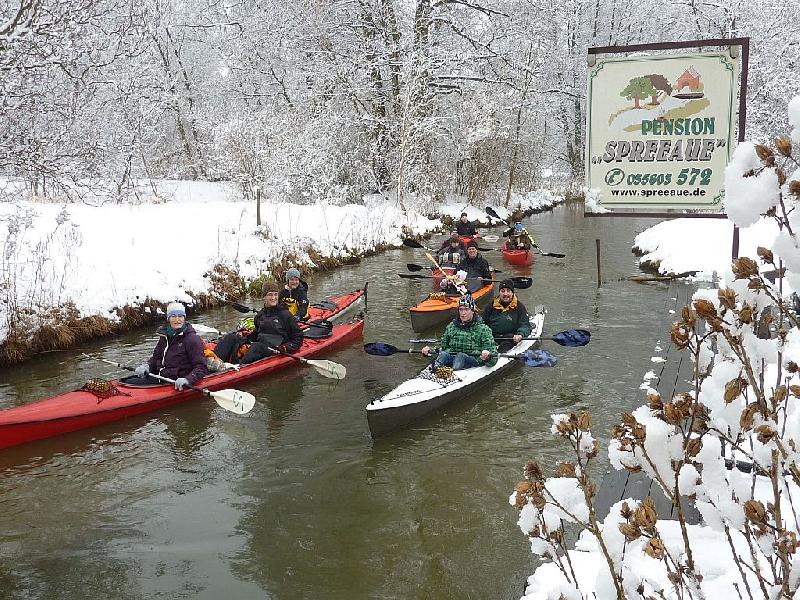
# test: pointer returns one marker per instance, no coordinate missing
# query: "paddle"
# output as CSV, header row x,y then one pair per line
x,y
246,309
521,283
531,358
492,213
327,368
235,401
569,337
415,244
451,278
414,267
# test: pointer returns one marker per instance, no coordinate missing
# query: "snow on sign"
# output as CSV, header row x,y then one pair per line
x,y
660,129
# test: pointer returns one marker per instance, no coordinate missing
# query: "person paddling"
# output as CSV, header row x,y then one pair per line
x,y
178,353
465,227
518,237
475,266
507,316
295,295
451,252
467,341
274,327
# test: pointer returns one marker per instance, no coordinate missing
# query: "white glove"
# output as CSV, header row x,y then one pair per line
x,y
143,370
180,383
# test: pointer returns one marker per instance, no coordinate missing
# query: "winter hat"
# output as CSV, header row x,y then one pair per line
x,y
454,237
269,286
466,300
506,283
472,244
292,273
176,309
463,214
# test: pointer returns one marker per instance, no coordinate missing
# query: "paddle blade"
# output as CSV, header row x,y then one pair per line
x,y
492,213
328,368
423,341
522,283
572,337
412,243
413,267
205,329
242,308
411,276
236,401
380,349
491,238
539,358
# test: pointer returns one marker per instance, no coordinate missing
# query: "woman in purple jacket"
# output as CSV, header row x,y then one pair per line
x,y
179,353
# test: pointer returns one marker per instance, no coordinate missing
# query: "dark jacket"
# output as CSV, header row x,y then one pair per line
x,y
477,267
179,355
296,300
470,338
507,320
276,322
466,228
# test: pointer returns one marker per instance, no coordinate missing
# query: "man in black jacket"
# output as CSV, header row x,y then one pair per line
x,y
275,328
475,266
464,226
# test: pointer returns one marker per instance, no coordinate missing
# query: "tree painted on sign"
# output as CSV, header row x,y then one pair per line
x,y
660,84
638,89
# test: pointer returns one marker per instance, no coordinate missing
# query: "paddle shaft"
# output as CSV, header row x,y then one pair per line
x,y
491,354
205,391
451,278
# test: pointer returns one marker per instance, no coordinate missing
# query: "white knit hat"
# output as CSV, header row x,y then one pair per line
x,y
175,309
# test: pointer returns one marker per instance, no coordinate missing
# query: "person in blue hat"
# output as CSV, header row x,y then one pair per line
x,y
295,295
518,237
178,353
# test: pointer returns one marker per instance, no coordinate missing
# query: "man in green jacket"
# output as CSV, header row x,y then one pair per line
x,y
467,342
507,316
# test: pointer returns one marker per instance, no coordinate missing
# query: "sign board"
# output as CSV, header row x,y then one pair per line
x,y
660,129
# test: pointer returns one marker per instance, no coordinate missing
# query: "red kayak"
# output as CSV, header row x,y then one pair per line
x,y
80,409
465,239
518,258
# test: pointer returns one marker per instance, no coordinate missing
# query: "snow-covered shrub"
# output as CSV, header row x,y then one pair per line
x,y
743,408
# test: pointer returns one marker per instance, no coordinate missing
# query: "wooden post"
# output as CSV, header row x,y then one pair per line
x,y
258,205
597,246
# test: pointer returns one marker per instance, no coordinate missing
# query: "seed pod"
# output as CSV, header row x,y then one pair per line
x,y
538,501
632,468
595,449
639,432
654,401
705,309
781,176
688,316
679,335
784,145
764,152
655,548
734,388
765,254
780,393
794,187
532,471
755,512
645,515
765,433
795,390
630,531
566,469
625,511
672,414
748,414
524,487
746,314
727,298
744,267
693,447
585,421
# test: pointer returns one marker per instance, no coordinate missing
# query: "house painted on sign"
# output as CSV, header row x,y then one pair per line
x,y
689,79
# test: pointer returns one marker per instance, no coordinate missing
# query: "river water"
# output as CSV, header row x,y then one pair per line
x,y
295,500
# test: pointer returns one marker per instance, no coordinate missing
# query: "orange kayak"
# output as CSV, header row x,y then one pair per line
x,y
439,307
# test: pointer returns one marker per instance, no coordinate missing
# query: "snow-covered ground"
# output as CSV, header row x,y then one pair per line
x,y
113,255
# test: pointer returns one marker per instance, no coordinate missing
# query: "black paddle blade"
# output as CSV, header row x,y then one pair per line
x,y
522,283
572,337
412,243
492,212
414,276
538,358
380,349
242,308
413,267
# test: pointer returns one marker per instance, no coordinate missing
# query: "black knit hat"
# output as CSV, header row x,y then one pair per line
x,y
506,283
472,244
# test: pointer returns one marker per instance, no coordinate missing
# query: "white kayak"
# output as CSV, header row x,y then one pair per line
x,y
427,392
